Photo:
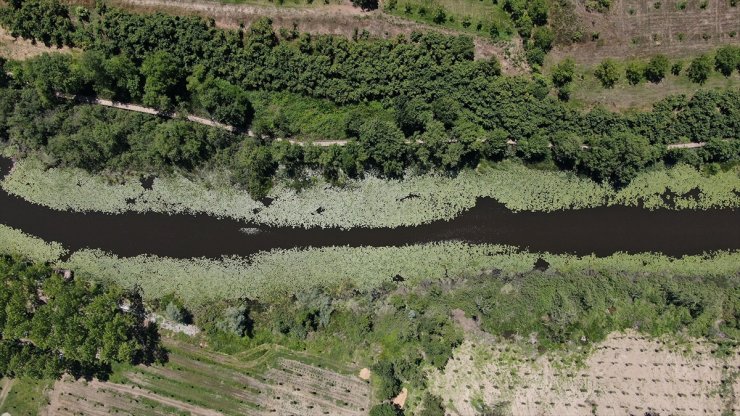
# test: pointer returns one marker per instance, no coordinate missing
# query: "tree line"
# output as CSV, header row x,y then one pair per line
x,y
51,324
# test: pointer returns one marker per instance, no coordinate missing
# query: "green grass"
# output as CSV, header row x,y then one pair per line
x,y
26,397
587,91
482,15
309,118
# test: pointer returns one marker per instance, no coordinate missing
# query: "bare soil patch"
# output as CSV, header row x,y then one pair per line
x,y
19,49
400,400
626,374
642,28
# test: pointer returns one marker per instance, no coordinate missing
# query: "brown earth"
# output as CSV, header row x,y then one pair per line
x,y
636,28
19,49
102,398
626,374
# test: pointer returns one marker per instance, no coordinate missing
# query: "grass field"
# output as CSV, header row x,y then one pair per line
x,y
473,16
23,396
196,380
588,92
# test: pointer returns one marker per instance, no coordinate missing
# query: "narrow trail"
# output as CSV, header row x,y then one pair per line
x,y
7,384
320,143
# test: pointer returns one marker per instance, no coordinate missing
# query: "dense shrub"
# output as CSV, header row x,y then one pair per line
x,y
50,325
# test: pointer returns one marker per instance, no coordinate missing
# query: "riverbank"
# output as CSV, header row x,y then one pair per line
x,y
284,272
371,202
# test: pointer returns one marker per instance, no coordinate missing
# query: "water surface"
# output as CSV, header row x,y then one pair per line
x,y
602,230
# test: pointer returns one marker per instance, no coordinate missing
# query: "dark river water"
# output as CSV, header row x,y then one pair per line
x,y
601,231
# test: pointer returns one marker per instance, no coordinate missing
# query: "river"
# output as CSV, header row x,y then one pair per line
x,y
601,231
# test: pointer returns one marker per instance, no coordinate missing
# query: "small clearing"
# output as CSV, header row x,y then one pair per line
x,y
19,49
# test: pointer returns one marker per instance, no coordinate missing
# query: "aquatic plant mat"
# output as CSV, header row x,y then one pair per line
x,y
371,202
280,272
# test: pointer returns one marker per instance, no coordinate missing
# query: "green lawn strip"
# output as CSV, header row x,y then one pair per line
x,y
197,392
26,397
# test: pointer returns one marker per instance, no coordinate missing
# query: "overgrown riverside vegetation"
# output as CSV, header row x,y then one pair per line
x,y
419,103
372,202
400,324
50,325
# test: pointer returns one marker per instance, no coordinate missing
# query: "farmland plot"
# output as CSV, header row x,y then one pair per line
x,y
642,28
626,374
200,382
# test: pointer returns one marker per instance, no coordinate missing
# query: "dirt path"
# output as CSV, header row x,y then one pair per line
x,y
7,384
336,19
320,143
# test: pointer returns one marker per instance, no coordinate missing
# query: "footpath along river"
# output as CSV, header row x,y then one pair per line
x,y
602,230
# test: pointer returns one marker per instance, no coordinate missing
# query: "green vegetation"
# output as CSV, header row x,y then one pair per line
x,y
19,243
26,396
485,19
289,271
374,202
607,73
699,69
408,80
52,325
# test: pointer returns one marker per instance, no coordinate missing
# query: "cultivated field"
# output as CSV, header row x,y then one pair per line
x,y
640,28
626,374
196,381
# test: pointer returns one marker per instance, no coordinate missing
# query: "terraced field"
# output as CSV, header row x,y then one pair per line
x,y
195,381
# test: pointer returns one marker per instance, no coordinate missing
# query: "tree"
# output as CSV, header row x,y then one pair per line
x,y
676,68
533,149
619,158
699,69
387,385
50,325
563,72
607,73
50,73
538,10
727,59
633,73
365,5
656,69
385,409
412,114
223,101
178,143
446,109
566,149
253,169
384,145
163,80
717,150
431,405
